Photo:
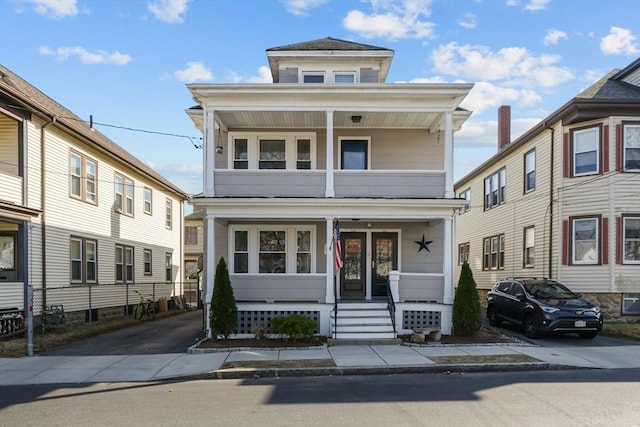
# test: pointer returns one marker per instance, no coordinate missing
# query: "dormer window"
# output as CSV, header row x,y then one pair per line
x,y
313,77
345,77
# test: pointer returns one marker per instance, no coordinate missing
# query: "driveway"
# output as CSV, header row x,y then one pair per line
x,y
168,335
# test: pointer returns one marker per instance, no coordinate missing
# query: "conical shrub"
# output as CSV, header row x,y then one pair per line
x,y
467,317
224,312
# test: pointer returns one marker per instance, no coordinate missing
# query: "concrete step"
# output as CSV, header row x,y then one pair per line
x,y
363,341
364,320
364,328
365,335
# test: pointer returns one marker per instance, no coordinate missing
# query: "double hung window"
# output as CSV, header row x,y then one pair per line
x,y
529,247
124,264
586,151
466,195
124,195
631,154
273,150
530,171
83,172
272,154
584,241
463,253
631,239
148,199
495,189
493,253
147,259
84,260
168,213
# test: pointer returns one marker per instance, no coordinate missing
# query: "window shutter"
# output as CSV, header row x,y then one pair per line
x,y
605,241
619,147
565,242
605,150
565,156
619,243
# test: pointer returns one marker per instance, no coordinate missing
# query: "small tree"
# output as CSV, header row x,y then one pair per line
x,y
466,305
224,312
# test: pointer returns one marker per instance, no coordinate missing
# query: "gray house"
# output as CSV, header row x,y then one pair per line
x,y
330,145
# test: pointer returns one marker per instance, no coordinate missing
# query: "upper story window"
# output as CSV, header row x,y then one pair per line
x,y
631,155
586,151
585,240
191,235
631,239
312,77
530,171
354,154
83,172
148,199
344,77
124,195
168,213
463,253
273,151
466,195
495,189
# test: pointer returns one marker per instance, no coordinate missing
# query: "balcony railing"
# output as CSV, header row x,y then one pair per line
x,y
270,183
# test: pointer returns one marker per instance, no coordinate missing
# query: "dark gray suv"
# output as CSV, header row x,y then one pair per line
x,y
542,306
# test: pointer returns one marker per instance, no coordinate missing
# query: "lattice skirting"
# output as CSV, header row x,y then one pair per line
x,y
249,319
414,319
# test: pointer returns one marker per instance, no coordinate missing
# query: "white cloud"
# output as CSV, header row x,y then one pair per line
x,y
485,96
468,21
264,76
535,5
513,66
554,36
301,7
392,19
100,57
170,11
56,9
195,71
619,41
484,133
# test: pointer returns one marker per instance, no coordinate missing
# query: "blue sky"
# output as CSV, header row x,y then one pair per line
x,y
126,62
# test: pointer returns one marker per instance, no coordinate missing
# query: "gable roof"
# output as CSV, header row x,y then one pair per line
x,y
37,103
327,43
613,94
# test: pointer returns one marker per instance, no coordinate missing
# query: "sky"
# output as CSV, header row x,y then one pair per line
x,y
126,63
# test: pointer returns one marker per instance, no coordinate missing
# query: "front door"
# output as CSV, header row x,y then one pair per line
x,y
384,258
353,274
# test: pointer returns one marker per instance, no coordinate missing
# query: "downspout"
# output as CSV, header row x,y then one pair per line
x,y
43,222
551,186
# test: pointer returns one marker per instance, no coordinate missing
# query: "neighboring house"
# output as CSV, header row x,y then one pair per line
x,y
563,200
329,140
78,210
193,247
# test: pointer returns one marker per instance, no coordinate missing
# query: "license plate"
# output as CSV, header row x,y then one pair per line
x,y
580,323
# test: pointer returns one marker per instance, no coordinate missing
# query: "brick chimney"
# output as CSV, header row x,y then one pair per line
x,y
504,126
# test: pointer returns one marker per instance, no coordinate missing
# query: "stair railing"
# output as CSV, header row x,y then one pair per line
x,y
335,308
391,306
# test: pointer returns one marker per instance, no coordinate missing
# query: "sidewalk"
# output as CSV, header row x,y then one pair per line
x,y
349,360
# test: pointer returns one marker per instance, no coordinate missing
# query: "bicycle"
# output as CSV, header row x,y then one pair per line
x,y
144,306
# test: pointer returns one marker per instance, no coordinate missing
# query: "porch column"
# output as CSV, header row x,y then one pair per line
x,y
329,190
209,153
209,267
330,295
448,155
447,263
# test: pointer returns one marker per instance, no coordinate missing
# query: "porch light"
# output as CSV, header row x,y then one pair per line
x,y
356,119
219,149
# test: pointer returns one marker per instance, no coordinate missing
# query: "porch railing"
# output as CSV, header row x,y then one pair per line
x,y
391,306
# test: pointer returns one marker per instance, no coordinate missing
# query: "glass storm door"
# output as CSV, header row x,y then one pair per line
x,y
353,274
384,254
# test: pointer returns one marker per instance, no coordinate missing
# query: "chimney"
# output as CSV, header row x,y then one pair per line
x,y
504,126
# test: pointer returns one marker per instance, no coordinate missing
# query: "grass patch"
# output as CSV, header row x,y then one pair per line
x,y
260,364
497,358
60,336
628,330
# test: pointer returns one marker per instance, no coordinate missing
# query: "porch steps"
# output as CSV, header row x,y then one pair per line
x,y
362,323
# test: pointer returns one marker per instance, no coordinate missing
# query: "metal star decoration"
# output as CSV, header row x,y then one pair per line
x,y
424,244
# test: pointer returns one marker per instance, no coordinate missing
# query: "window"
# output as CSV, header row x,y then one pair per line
x,y
168,221
344,77
124,195
584,241
354,154
84,260
495,189
272,249
148,198
83,172
530,171
303,158
146,259
313,77
8,255
586,151
631,147
191,235
631,238
240,154
272,154
241,251
529,247
630,303
168,267
124,264
463,253
466,195
493,253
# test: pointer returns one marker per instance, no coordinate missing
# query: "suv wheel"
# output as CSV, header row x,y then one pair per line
x,y
493,318
530,326
588,335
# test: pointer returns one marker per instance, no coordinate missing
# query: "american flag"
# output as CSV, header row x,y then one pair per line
x,y
337,245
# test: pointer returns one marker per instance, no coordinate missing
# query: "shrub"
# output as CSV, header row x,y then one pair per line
x,y
259,331
294,326
224,312
467,318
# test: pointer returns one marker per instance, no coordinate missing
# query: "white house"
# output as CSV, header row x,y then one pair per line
x,y
330,141
78,212
563,200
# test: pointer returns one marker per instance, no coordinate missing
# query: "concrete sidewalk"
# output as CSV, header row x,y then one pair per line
x,y
349,360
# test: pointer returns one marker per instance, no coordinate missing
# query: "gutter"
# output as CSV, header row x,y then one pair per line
x,y
43,222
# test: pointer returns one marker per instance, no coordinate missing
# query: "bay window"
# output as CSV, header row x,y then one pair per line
x,y
586,151
631,150
631,239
